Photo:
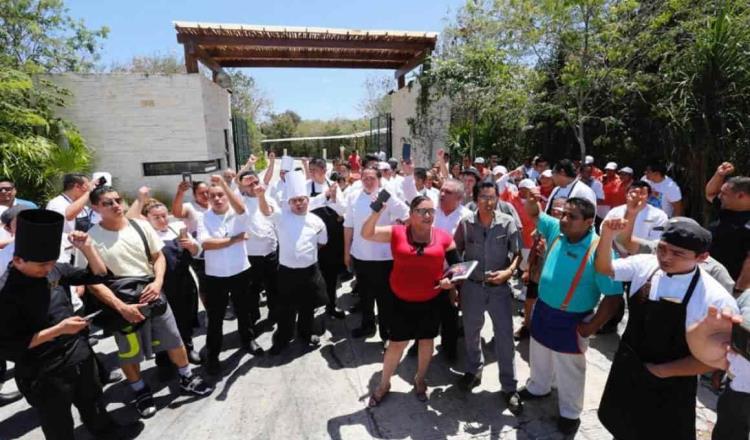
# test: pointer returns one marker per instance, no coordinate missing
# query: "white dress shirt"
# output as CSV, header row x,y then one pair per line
x,y
409,190
645,222
449,223
299,237
263,239
230,260
356,214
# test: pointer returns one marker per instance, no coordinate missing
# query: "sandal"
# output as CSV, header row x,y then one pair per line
x,y
376,399
420,391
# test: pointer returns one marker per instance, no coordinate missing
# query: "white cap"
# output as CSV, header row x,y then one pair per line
x,y
287,163
499,170
381,155
610,166
526,183
384,166
99,174
479,160
627,170
547,173
296,184
588,160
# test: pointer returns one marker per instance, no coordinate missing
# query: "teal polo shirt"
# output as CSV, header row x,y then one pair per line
x,y
561,265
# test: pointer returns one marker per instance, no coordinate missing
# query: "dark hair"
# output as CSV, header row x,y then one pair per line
x,y
318,162
394,164
377,171
371,157
197,183
72,179
540,159
416,201
98,192
246,173
9,214
9,180
657,166
740,184
151,204
420,173
346,164
488,184
566,167
588,210
641,184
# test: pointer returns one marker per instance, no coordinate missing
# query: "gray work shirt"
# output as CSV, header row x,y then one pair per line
x,y
493,247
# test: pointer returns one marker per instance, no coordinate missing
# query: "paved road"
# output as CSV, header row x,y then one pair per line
x,y
320,394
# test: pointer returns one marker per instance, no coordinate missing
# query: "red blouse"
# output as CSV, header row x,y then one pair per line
x,y
414,277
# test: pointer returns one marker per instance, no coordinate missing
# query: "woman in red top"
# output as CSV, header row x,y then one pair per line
x,y
419,255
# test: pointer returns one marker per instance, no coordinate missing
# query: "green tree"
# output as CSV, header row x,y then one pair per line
x,y
281,125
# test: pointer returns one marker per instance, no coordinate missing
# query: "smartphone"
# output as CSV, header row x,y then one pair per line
x,y
187,177
92,316
741,340
183,233
406,152
383,197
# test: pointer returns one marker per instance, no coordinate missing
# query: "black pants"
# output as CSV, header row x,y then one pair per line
x,y
448,323
299,293
53,394
732,416
3,370
374,287
330,274
183,300
263,270
218,291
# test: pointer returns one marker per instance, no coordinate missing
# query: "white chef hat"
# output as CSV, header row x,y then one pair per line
x,y
296,184
287,163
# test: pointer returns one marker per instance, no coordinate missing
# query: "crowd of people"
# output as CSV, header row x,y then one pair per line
x,y
584,243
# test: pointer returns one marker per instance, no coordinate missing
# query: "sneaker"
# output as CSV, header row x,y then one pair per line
x,y
469,381
195,384
568,426
525,394
513,402
144,403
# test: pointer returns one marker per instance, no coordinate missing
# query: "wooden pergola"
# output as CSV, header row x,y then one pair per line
x,y
234,45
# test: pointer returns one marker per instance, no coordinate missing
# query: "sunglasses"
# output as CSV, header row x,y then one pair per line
x,y
423,212
111,202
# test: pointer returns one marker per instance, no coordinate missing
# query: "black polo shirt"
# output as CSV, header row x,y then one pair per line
x,y
731,238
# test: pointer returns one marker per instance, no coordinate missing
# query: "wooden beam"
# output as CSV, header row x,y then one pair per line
x,y
412,64
401,81
342,64
201,55
252,53
191,62
303,42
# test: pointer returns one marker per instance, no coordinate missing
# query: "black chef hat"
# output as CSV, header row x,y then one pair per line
x,y
686,233
38,235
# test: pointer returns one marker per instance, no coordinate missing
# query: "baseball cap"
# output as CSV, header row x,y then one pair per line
x,y
610,166
626,170
686,233
384,166
479,160
473,171
588,160
526,183
499,170
546,173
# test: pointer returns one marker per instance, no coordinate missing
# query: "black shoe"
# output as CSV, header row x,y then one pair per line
x,y
363,332
253,348
313,341
213,367
113,376
8,398
513,402
195,384
527,395
469,381
521,334
413,351
277,348
568,426
144,403
336,313
193,356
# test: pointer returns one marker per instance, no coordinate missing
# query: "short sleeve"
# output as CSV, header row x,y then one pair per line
x,y
349,214
598,190
607,285
514,238
154,242
627,269
397,209
203,232
673,194
58,205
548,226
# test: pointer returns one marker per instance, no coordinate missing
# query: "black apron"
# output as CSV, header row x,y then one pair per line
x,y
636,405
332,254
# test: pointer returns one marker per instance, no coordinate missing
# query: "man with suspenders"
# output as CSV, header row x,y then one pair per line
x,y
567,185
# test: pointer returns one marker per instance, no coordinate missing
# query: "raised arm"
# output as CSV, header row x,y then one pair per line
x,y
532,205
179,196
372,232
713,186
75,208
81,241
137,206
603,257
260,193
235,201
442,164
269,170
248,166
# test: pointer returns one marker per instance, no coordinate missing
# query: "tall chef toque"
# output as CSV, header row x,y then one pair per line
x,y
296,184
38,235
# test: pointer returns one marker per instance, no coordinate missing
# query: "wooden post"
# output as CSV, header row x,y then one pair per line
x,y
401,81
191,62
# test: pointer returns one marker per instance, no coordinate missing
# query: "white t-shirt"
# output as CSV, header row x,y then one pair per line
x,y
193,213
122,251
262,231
663,194
356,214
449,223
708,291
409,190
60,204
598,189
230,260
575,188
299,237
645,222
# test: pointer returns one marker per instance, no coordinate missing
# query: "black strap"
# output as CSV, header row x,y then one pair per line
x,y
146,247
691,288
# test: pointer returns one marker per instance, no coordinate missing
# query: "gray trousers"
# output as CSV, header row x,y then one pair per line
x,y
498,302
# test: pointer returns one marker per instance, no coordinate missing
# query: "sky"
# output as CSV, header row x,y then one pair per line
x,y
144,27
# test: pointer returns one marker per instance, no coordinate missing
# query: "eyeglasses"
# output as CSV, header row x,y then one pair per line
x,y
423,212
487,198
6,189
111,202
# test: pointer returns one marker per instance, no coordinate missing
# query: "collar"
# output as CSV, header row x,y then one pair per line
x,y
495,216
680,276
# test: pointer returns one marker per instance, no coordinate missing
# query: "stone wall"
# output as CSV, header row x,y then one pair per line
x,y
432,136
129,119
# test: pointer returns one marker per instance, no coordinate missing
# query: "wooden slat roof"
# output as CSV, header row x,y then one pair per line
x,y
236,45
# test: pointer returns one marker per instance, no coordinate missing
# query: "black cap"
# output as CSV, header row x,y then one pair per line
x,y
38,235
686,233
473,171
